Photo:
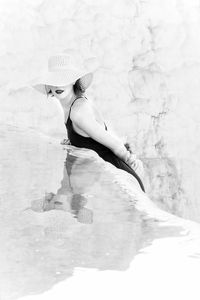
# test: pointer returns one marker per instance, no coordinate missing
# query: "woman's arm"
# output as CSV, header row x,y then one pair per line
x,y
135,164
111,129
123,138
83,117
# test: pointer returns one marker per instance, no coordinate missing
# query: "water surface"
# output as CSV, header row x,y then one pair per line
x,y
59,212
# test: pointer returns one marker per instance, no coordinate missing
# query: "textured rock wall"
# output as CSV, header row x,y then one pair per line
x,y
148,78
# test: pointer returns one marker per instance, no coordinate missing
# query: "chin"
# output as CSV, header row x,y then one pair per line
x,y
61,97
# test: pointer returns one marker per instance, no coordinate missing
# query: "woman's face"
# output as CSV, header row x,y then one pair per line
x,y
62,92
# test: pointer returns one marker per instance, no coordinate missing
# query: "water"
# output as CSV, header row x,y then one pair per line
x,y
62,210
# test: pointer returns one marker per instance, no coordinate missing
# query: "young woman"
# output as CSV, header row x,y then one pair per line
x,y
84,122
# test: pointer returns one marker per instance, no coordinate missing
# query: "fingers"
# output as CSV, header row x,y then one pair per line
x,y
131,159
138,167
65,142
136,164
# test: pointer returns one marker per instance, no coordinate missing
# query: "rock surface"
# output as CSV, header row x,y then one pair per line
x,y
148,78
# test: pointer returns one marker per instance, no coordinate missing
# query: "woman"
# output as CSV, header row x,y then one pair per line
x,y
84,122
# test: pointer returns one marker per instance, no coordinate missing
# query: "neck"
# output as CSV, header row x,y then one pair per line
x,y
66,102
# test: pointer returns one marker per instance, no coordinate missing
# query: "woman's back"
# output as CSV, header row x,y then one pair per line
x,y
104,152
81,141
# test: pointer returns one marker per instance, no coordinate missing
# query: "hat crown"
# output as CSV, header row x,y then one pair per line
x,y
60,62
65,68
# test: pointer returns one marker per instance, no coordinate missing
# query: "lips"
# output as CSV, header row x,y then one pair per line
x,y
59,91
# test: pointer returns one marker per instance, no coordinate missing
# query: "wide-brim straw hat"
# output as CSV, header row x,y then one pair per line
x,y
64,70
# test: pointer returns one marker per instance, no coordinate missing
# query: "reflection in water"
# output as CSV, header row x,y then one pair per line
x,y
66,197
84,220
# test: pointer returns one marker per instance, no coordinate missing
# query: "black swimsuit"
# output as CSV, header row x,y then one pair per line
x,y
80,141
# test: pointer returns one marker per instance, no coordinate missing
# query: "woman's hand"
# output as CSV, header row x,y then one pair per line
x,y
136,164
65,142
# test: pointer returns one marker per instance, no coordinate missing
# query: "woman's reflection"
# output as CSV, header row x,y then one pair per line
x,y
70,196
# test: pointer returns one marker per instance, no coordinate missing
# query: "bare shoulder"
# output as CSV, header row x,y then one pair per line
x,y
80,108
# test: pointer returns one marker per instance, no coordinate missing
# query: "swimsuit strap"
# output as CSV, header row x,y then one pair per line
x,y
73,103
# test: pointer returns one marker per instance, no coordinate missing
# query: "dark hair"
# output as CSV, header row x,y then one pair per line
x,y
78,87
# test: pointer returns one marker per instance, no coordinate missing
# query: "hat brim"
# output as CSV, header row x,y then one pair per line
x,y
65,77
61,78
